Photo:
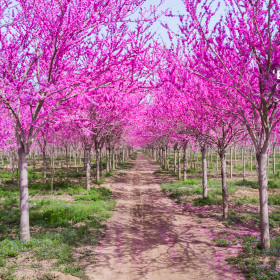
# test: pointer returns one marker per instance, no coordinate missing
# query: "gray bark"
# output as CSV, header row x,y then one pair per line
x,y
264,217
179,165
231,162
185,162
204,172
88,167
224,185
174,161
24,196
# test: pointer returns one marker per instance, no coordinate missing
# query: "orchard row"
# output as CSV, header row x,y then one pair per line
x,y
90,75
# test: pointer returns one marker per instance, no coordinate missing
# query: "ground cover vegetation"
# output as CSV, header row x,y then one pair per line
x,y
67,221
84,83
242,225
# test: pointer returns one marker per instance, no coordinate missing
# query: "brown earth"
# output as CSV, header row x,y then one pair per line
x,y
150,237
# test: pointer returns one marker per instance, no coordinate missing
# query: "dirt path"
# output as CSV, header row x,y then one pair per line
x,y
149,237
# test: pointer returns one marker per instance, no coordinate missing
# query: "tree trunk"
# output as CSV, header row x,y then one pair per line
x,y
13,166
231,162
217,162
52,172
97,164
114,159
167,158
44,166
273,159
251,159
264,218
174,161
87,162
204,172
179,165
24,196
224,185
107,160
110,160
185,161
101,162
244,164
66,159
34,161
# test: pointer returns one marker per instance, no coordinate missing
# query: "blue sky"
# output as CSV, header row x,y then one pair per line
x,y
176,7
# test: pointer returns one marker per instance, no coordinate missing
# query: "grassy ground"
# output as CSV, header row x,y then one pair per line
x,y
242,227
65,225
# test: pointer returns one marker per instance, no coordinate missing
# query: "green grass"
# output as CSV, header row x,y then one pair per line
x,y
92,208
246,200
251,184
213,200
250,263
274,200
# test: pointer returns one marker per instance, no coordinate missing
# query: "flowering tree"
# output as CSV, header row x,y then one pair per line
x,y
239,55
49,50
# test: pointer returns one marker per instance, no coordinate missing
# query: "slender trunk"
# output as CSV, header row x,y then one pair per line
x,y
164,157
52,173
211,157
34,161
204,172
185,161
107,160
101,162
273,159
244,164
114,159
87,162
123,155
217,161
179,165
174,167
231,162
110,160
264,218
234,156
24,196
13,166
97,164
251,159
66,159
44,166
224,185
168,154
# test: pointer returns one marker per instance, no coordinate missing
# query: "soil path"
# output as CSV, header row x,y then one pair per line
x,y
149,237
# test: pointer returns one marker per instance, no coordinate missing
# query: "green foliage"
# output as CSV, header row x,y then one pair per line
x,y
249,261
274,200
277,174
98,182
178,189
273,184
52,213
246,200
251,184
108,174
190,170
207,201
95,194
75,271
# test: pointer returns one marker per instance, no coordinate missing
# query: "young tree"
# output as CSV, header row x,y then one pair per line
x,y
240,55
